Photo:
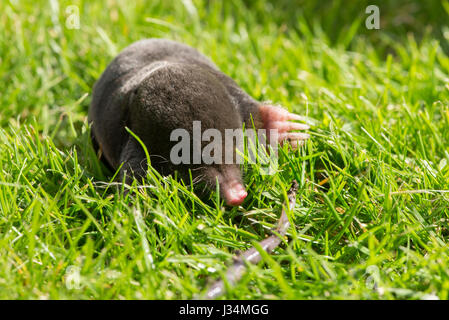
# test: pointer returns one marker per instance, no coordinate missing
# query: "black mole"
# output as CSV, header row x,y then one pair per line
x,y
155,86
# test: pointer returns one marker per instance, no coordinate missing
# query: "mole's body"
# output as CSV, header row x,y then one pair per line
x,y
155,86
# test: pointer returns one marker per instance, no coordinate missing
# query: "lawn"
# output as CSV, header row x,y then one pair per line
x,y
371,218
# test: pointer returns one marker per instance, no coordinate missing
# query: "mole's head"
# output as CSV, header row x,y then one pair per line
x,y
191,115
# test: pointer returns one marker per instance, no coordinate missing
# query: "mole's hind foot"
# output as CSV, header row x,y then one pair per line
x,y
280,119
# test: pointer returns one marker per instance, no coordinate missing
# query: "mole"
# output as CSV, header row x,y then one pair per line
x,y
155,86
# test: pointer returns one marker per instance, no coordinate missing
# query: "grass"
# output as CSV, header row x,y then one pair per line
x,y
372,213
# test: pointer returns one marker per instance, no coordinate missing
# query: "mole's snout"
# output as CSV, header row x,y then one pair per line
x,y
234,193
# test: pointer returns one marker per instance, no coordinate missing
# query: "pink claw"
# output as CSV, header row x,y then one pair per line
x,y
279,118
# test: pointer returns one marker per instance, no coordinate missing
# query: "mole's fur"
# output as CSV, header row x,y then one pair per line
x,y
155,86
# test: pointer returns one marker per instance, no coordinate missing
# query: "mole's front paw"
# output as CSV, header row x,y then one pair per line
x,y
280,119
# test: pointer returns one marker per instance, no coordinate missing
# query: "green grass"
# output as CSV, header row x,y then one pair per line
x,y
373,204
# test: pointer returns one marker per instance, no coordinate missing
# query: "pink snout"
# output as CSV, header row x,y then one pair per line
x,y
234,193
